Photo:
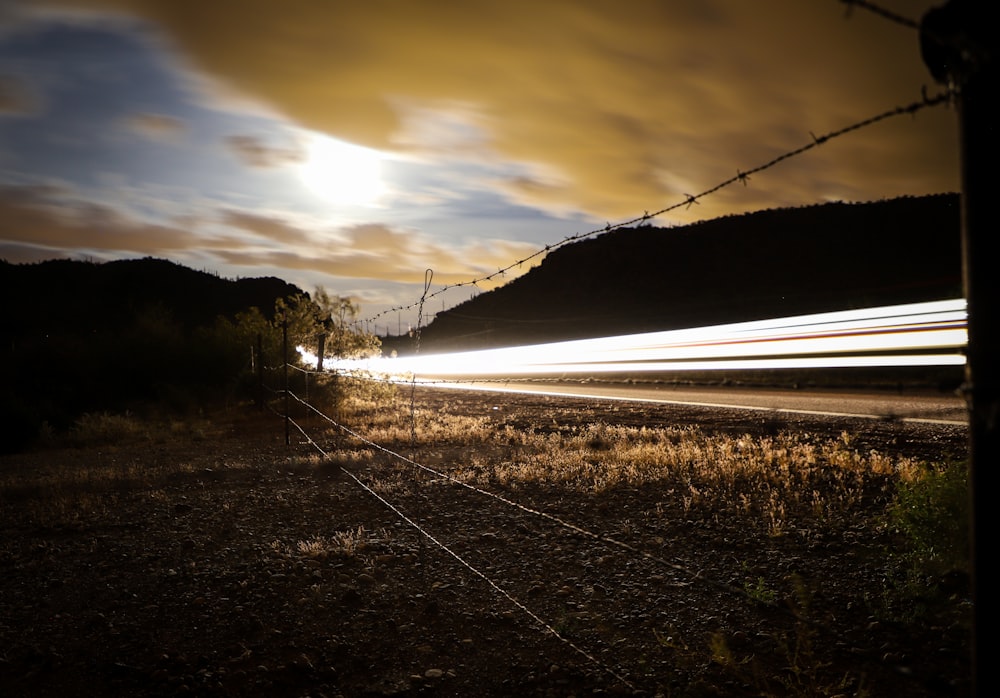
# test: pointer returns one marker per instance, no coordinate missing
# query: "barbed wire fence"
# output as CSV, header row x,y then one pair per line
x,y
286,395
741,177
881,12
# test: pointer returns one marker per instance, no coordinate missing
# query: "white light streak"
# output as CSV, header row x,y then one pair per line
x,y
916,334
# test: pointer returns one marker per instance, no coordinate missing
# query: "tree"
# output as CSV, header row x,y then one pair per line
x,y
339,316
302,318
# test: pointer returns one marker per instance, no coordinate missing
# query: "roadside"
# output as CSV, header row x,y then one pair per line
x,y
216,561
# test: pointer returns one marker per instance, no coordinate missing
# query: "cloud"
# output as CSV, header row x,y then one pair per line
x,y
255,152
12,16
47,217
269,228
157,127
16,98
39,218
369,251
615,102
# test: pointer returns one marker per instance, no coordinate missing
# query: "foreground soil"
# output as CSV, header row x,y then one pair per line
x,y
220,561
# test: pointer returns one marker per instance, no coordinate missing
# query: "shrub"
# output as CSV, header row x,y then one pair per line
x,y
931,511
92,429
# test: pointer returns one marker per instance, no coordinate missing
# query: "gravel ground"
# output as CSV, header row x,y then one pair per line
x,y
221,562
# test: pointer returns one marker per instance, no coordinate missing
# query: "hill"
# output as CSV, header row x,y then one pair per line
x,y
65,297
761,265
79,337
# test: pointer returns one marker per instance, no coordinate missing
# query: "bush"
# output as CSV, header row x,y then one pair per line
x,y
932,512
100,428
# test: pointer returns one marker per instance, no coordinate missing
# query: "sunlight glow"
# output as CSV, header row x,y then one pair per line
x,y
341,172
917,334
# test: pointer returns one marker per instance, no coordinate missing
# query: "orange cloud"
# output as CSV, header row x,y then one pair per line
x,y
616,107
43,217
370,251
268,228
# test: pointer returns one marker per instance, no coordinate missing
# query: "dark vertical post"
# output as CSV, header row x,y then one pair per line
x,y
322,346
260,372
957,42
978,133
284,355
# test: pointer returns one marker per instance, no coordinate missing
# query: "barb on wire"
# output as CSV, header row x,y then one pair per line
x,y
881,12
742,176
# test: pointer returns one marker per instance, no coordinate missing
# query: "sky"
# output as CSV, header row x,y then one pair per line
x,y
356,145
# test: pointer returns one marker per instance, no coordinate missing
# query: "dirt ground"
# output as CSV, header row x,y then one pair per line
x,y
223,562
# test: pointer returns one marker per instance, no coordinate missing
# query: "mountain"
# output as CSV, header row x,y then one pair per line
x,y
80,338
761,265
66,297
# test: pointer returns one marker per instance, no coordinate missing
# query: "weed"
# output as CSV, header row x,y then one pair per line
x,y
347,543
722,654
92,429
567,624
784,481
671,640
931,511
759,591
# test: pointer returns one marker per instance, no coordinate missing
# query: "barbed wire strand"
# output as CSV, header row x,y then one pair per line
x,y
496,587
741,176
536,512
881,12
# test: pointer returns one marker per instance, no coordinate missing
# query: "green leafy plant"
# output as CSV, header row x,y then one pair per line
x,y
931,512
759,591
930,515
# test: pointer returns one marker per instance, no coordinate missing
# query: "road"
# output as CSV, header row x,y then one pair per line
x,y
925,408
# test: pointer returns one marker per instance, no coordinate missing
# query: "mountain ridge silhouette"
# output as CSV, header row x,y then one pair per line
x,y
766,264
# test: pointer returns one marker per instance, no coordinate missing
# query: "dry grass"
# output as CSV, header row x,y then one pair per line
x,y
58,489
788,481
349,543
782,481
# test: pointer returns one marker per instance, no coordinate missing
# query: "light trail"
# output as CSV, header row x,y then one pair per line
x,y
916,334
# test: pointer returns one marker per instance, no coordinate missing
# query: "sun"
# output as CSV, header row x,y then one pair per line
x,y
341,172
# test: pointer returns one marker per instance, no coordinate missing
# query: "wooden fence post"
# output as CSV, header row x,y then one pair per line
x,y
957,42
284,355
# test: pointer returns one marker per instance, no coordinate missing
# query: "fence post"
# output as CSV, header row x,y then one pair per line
x,y
957,41
321,342
260,372
284,355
